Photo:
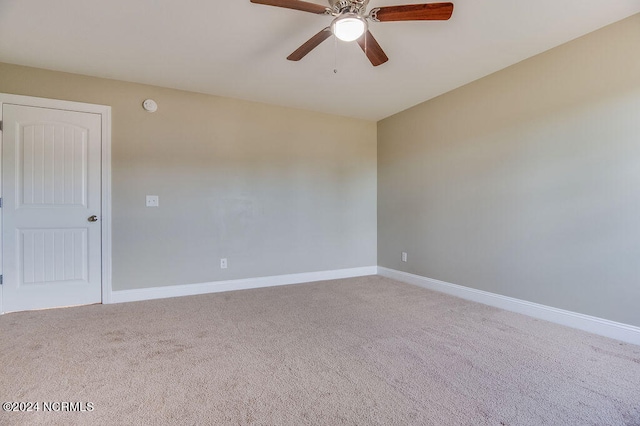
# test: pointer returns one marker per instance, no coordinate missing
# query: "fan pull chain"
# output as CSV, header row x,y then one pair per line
x,y
335,54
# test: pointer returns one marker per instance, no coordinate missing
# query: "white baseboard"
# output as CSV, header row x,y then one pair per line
x,y
624,332
241,284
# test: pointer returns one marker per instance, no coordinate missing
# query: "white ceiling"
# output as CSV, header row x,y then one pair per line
x,y
238,49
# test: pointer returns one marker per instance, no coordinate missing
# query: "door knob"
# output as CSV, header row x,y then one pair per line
x,y
93,218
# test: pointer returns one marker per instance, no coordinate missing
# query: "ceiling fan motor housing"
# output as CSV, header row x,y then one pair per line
x,y
355,6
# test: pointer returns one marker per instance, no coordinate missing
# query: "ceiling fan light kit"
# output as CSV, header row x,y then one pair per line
x,y
349,26
350,23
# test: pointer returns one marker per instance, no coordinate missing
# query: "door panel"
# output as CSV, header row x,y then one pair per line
x,y
51,186
54,161
52,255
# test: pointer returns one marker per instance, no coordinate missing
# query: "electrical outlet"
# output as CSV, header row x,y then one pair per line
x,y
223,263
404,256
153,201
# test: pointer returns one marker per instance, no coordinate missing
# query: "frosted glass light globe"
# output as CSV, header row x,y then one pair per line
x,y
348,27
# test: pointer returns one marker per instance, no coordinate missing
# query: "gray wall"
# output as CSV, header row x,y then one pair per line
x,y
525,183
274,190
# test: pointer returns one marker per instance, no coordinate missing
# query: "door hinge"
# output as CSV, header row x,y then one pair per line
x,y
0,202
0,125
0,279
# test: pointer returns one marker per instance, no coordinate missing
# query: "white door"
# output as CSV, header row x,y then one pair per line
x,y
51,213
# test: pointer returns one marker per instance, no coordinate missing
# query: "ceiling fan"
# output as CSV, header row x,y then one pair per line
x,y
350,22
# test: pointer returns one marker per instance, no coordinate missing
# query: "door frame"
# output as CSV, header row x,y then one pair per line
x,y
105,113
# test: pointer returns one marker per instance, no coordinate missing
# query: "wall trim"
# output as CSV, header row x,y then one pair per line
x,y
615,330
240,284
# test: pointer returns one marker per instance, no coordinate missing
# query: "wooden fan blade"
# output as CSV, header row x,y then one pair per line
x,y
310,44
413,12
372,49
294,4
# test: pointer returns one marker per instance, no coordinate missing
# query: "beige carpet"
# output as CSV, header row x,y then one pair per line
x,y
356,351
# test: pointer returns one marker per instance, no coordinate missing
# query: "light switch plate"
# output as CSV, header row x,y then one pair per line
x,y
153,201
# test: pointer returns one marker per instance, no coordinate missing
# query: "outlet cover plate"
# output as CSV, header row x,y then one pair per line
x,y
153,201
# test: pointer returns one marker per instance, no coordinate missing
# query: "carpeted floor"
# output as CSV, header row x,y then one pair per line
x,y
356,351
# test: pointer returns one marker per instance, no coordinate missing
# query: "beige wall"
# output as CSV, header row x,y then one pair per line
x,y
525,183
274,190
